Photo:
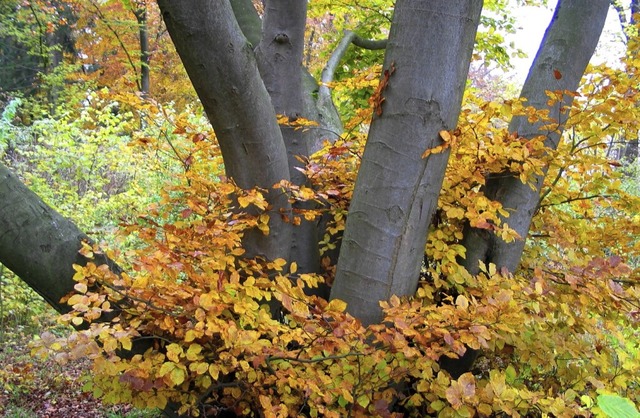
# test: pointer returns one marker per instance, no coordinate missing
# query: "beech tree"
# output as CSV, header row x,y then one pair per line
x,y
230,310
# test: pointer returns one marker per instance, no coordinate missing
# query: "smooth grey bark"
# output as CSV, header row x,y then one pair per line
x,y
567,47
41,246
396,193
279,57
248,20
325,113
38,244
222,68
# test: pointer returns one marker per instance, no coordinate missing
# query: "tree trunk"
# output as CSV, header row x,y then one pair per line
x,y
222,68
38,244
565,51
248,20
396,193
143,36
279,57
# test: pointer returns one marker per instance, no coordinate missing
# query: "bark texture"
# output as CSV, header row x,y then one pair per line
x,y
221,65
279,57
396,192
566,48
38,244
315,108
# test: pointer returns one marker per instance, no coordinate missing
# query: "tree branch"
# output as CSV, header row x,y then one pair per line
x,y
329,70
371,44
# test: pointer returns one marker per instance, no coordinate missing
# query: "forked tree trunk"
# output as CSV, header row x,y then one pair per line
x,y
564,53
396,193
222,67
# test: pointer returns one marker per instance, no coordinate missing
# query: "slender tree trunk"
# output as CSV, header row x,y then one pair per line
x,y
396,193
222,68
565,51
143,36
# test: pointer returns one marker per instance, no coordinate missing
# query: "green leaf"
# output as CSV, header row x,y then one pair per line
x,y
615,406
363,401
510,374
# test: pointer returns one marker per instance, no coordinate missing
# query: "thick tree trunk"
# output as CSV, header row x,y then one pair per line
x,y
565,51
38,244
279,57
396,193
222,68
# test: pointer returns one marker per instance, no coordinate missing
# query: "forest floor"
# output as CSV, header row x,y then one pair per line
x,y
35,388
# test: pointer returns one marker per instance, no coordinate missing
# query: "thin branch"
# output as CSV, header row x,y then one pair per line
x,y
269,359
41,43
120,41
371,44
577,198
329,70
122,292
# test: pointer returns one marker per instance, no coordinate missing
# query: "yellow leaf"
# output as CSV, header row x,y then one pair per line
x,y
177,376
207,301
279,263
293,268
166,368
214,372
193,353
492,270
462,302
76,299
485,409
141,282
126,343
336,305
306,193
446,136
435,150
174,352
199,367
80,287
244,201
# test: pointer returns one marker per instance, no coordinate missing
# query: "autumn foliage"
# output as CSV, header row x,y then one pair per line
x,y
222,332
